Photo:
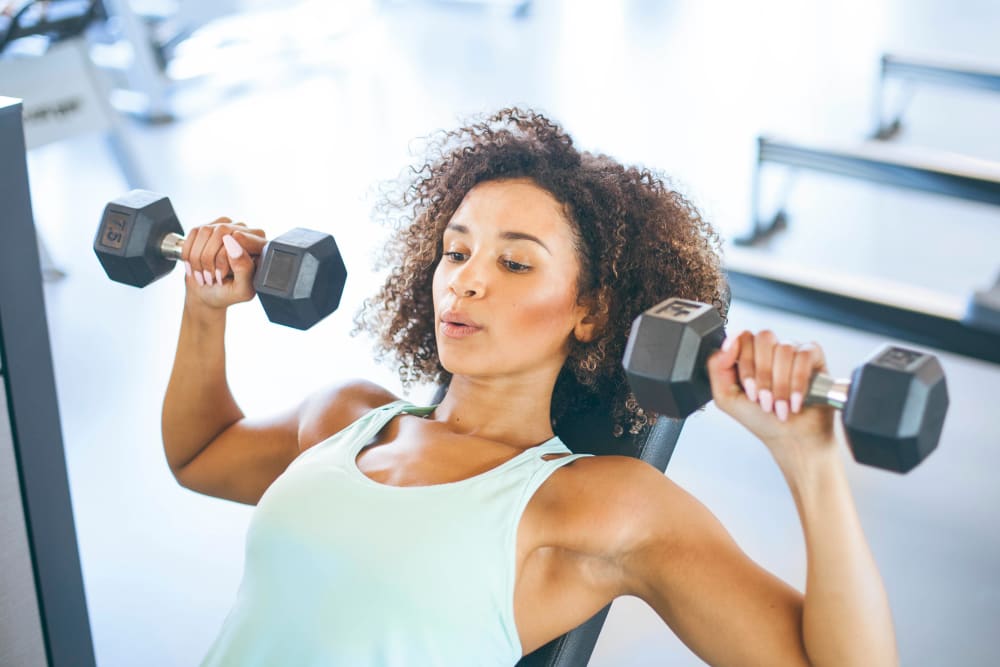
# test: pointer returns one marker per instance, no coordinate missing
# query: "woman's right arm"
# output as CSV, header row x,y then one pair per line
x,y
209,445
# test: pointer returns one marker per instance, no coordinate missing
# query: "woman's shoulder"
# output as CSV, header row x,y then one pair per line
x,y
613,480
337,406
599,501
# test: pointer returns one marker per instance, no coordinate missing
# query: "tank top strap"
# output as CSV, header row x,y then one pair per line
x,y
367,426
342,445
543,468
376,420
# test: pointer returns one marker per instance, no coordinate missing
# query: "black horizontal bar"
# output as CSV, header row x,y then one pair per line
x,y
60,21
886,164
896,322
961,76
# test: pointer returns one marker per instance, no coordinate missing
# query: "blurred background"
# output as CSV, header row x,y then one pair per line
x,y
284,114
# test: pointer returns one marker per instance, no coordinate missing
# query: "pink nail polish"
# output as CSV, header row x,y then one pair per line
x,y
187,269
796,402
208,278
233,248
766,400
750,387
781,410
218,275
199,278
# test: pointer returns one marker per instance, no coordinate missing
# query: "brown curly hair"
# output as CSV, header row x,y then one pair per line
x,y
638,242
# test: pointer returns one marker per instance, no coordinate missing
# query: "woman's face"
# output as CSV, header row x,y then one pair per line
x,y
505,290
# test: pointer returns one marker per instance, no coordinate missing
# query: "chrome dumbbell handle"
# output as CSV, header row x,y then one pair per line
x,y
171,246
825,390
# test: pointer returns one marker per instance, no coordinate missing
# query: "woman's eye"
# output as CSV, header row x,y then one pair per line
x,y
516,267
455,256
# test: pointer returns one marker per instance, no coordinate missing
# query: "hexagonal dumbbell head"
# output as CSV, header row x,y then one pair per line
x,y
895,408
666,354
300,278
128,239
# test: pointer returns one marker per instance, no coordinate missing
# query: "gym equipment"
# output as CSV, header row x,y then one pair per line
x,y
299,280
909,70
936,320
907,167
62,91
64,94
983,309
893,407
43,607
155,50
57,20
875,306
901,312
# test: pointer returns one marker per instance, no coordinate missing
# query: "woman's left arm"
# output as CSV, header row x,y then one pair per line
x,y
846,619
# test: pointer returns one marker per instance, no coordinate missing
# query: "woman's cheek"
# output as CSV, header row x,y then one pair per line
x,y
549,314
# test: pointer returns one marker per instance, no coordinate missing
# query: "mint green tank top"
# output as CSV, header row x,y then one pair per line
x,y
343,570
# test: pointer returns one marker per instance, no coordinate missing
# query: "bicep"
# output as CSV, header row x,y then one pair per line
x,y
719,602
243,460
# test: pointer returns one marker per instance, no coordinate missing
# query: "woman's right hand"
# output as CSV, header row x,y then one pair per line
x,y
220,259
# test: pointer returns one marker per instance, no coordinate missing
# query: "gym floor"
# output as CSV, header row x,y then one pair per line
x,y
302,137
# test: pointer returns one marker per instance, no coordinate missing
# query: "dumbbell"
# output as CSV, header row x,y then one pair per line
x,y
299,279
892,407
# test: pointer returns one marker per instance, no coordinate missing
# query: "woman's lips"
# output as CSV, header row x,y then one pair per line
x,y
453,330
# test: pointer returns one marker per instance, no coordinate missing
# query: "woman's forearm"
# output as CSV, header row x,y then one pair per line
x,y
846,617
198,404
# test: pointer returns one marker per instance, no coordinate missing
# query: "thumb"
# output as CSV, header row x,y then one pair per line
x,y
252,240
241,263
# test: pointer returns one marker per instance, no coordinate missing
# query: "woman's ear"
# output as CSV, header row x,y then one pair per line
x,y
584,330
593,317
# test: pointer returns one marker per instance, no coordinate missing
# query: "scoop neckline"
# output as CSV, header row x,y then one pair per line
x,y
404,406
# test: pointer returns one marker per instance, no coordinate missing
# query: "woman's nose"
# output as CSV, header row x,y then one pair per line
x,y
468,281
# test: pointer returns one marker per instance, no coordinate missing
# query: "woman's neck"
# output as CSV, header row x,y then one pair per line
x,y
516,412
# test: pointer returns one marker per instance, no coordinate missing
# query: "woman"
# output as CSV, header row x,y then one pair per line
x,y
466,533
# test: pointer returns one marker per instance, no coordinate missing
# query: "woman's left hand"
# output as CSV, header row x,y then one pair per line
x,y
762,383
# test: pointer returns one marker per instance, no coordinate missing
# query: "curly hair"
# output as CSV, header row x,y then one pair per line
x,y
638,242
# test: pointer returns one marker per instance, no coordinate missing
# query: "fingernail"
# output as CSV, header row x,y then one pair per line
x,y
796,401
208,277
726,344
781,409
218,275
766,400
200,279
750,387
233,248
187,269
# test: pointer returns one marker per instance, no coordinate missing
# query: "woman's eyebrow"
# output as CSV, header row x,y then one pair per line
x,y
507,235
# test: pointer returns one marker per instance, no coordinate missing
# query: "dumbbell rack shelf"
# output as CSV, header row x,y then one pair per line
x,y
906,167
909,70
907,313
956,73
